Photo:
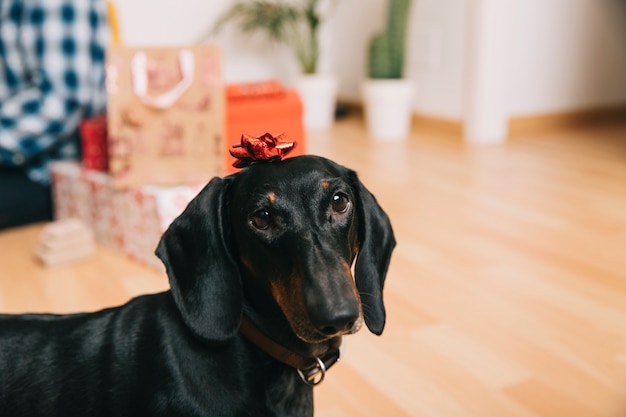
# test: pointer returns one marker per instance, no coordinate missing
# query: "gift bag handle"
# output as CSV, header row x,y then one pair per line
x,y
167,99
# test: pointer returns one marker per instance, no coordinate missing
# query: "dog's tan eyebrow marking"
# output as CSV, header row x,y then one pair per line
x,y
326,185
271,197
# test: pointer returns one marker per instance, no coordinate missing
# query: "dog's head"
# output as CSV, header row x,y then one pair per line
x,y
294,228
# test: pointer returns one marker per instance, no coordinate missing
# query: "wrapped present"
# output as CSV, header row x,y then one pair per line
x,y
71,196
150,210
88,195
131,221
93,134
255,109
106,215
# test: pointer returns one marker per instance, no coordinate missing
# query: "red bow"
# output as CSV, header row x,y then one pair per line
x,y
263,148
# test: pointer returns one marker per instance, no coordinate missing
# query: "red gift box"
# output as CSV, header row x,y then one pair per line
x,y
93,133
264,107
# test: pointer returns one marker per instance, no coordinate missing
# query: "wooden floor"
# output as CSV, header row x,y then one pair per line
x,y
506,295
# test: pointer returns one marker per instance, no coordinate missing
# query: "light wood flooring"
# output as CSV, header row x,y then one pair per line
x,y
506,295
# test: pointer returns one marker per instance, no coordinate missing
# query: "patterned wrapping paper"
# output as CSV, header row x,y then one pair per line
x,y
71,195
149,211
105,218
130,221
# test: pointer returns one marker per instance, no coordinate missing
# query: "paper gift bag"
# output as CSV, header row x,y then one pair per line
x,y
165,115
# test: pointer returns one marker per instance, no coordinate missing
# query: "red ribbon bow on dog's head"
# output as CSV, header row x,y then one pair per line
x,y
265,148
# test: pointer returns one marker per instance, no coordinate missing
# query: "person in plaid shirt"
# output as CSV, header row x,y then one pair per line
x,y
51,77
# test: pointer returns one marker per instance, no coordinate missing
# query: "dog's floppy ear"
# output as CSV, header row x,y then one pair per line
x,y
203,275
376,242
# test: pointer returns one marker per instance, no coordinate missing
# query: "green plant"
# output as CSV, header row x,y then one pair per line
x,y
387,49
293,23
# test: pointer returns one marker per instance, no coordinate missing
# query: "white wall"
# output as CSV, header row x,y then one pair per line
x,y
437,56
566,54
166,22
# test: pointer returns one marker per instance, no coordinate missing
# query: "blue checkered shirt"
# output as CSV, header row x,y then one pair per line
x,y
51,77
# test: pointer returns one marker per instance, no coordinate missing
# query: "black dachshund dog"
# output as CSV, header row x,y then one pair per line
x,y
262,291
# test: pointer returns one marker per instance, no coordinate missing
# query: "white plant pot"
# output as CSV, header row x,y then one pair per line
x,y
318,93
388,107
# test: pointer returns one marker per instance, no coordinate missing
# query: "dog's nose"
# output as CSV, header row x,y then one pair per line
x,y
336,322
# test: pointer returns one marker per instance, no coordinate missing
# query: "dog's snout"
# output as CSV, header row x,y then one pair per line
x,y
336,322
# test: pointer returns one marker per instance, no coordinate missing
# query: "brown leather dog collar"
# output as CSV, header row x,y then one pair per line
x,y
311,370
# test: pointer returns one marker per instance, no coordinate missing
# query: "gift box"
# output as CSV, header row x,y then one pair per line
x,y
264,107
130,221
150,210
93,135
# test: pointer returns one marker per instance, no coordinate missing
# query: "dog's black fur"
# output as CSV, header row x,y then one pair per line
x,y
276,242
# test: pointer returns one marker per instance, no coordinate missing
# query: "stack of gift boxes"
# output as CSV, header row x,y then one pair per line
x,y
132,219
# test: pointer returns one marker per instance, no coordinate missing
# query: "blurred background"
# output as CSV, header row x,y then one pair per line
x,y
550,56
506,295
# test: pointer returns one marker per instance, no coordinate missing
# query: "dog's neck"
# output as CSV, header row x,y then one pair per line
x,y
272,324
265,325
311,370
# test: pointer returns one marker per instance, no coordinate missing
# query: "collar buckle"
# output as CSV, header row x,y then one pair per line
x,y
315,375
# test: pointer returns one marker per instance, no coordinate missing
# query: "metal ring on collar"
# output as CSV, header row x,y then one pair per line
x,y
310,378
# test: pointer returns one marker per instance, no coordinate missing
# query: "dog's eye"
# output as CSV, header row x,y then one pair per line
x,y
340,203
261,219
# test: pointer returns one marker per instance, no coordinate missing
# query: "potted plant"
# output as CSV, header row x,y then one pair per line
x,y
295,24
387,94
